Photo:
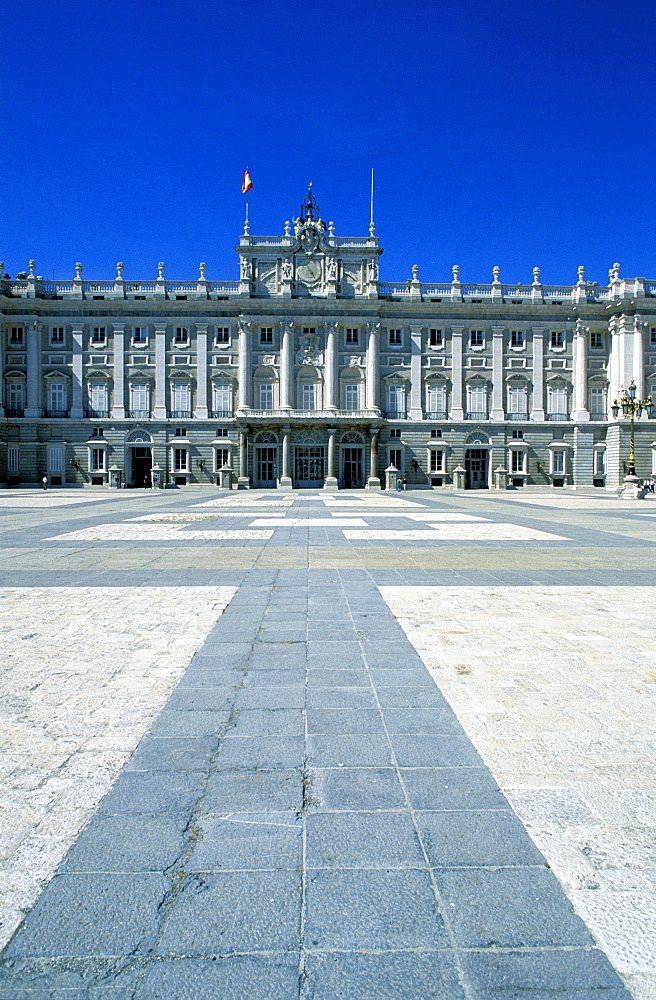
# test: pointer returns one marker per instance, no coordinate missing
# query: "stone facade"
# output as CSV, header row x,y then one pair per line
x,y
309,371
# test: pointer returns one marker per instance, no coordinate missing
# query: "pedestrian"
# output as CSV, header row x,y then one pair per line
x,y
45,482
405,484
399,484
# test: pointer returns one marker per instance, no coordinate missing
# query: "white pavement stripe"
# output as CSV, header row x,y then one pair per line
x,y
428,516
77,693
130,532
457,532
555,687
309,522
45,500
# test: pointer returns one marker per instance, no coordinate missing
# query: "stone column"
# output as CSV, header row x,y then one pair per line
x,y
285,479
33,408
639,357
201,371
457,411
613,363
626,331
159,410
330,482
537,410
286,366
580,362
243,482
330,370
373,482
497,412
244,400
118,404
416,410
77,403
373,366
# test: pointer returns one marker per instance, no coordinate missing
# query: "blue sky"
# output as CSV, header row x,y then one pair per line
x,y
517,134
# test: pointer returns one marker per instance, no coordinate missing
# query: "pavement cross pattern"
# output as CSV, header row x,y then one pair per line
x,y
318,810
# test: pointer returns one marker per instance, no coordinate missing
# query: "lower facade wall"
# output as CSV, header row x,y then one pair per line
x,y
134,448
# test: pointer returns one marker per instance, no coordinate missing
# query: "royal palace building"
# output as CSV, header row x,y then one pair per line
x,y
310,372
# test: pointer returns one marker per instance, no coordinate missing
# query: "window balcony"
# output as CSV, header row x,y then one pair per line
x,y
476,415
598,416
395,414
221,414
180,415
56,414
436,415
517,415
557,416
139,414
96,414
20,412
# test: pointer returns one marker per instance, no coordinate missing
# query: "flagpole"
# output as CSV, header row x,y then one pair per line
x,y
372,229
246,223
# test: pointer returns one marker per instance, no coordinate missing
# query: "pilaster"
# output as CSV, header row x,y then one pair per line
x,y
201,371
537,410
373,365
33,408
77,402
457,411
244,399
497,411
580,350
330,373
118,408
416,411
159,410
286,365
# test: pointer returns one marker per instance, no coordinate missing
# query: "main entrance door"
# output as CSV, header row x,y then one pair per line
x,y
352,468
266,467
142,463
309,467
476,460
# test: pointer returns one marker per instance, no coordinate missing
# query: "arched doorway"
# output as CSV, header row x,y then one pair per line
x,y
477,461
309,461
352,461
266,461
138,460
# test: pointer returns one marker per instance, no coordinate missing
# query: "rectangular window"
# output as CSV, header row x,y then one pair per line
x,y
222,335
557,402
98,459
352,336
266,395
266,335
396,400
221,457
395,432
436,460
395,338
351,396
652,336
222,395
140,335
558,461
517,461
517,400
597,401
13,460
436,401
97,432
181,335
140,398
16,397
518,434
56,459
309,329
57,396
180,432
222,432
516,338
599,462
16,335
98,335
476,338
557,338
181,398
180,459
396,458
596,340
309,397
477,395
435,338
98,397
436,432
57,335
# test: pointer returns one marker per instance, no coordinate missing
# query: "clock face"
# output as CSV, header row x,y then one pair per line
x,y
309,272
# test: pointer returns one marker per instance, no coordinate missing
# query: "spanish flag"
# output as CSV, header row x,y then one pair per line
x,y
246,183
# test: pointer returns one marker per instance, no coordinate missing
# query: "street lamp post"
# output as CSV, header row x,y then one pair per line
x,y
632,407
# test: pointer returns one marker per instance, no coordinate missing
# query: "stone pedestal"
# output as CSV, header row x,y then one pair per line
x,y
632,489
285,483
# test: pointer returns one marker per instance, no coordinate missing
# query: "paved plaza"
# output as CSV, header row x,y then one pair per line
x,y
315,746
